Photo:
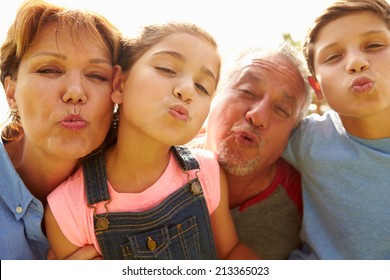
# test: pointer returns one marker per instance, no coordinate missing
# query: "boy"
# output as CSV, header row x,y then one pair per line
x,y
344,155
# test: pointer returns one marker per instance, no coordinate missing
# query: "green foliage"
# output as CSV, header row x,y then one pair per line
x,y
296,44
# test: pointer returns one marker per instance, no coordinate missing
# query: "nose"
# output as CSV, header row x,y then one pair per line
x,y
184,90
74,90
356,62
259,113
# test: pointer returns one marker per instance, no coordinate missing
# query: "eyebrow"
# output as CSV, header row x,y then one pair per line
x,y
289,98
64,57
180,57
250,76
365,34
256,79
373,32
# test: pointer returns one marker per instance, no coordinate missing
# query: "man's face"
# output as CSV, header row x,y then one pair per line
x,y
251,120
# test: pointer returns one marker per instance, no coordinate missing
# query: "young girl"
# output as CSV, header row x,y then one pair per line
x,y
145,197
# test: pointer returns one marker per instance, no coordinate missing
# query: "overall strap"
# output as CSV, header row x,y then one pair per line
x,y
185,158
95,172
95,178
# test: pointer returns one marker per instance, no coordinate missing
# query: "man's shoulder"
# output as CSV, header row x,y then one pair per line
x,y
285,169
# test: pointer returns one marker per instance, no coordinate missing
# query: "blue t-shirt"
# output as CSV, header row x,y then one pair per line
x,y
346,191
21,215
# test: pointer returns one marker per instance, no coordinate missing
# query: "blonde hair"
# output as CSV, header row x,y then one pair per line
x,y
32,15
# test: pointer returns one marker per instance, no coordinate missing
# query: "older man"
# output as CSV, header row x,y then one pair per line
x,y
262,99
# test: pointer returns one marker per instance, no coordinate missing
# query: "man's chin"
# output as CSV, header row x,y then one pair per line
x,y
239,171
237,161
237,166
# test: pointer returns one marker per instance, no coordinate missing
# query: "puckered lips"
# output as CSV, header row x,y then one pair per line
x,y
362,85
74,122
246,138
179,112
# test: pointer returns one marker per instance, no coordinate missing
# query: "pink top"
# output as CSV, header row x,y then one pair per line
x,y
69,204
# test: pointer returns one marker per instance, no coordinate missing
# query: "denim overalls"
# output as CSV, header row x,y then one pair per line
x,y
178,228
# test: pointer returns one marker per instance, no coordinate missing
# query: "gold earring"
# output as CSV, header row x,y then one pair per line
x,y
13,131
15,118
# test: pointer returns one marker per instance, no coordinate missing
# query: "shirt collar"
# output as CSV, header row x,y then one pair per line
x,y
12,189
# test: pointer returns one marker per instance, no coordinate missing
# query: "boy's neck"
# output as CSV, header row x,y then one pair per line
x,y
371,127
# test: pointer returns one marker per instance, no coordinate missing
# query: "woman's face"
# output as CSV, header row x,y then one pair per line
x,y
63,94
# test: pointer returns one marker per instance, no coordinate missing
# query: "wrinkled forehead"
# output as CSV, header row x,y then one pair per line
x,y
276,66
53,32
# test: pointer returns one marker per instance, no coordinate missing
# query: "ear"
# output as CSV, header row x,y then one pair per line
x,y
316,87
9,88
117,92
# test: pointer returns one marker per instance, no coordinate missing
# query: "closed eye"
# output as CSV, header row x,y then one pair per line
x,y
332,58
48,71
246,92
98,77
166,70
282,112
375,46
202,88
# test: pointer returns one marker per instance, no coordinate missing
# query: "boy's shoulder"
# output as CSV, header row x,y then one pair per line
x,y
318,122
315,127
315,117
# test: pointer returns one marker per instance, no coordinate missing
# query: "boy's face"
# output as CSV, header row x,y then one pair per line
x,y
352,65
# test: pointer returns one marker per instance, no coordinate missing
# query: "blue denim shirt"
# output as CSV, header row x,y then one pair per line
x,y
21,215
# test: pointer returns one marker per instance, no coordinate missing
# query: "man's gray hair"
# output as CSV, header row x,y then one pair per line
x,y
232,69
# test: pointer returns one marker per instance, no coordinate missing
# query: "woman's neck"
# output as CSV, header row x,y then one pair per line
x,y
40,173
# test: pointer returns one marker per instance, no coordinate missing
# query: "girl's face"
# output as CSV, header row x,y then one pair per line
x,y
167,94
63,94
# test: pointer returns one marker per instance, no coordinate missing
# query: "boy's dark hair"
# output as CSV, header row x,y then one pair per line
x,y
338,9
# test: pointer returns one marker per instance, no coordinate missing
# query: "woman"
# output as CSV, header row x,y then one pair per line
x,y
57,69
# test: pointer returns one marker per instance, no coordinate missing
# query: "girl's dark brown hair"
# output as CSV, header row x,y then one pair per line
x,y
133,49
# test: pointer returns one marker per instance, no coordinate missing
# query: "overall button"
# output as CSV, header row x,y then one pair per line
x,y
151,244
102,223
196,188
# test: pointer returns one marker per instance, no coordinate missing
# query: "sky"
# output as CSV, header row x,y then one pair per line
x,y
235,24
